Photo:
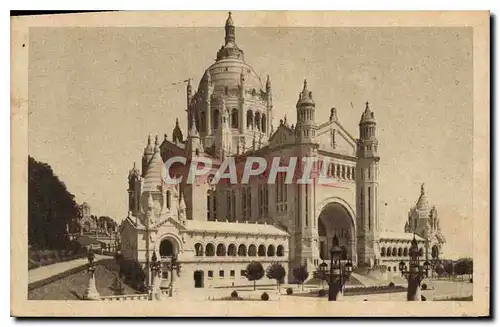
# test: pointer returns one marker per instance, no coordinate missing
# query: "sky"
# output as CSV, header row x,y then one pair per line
x,y
96,93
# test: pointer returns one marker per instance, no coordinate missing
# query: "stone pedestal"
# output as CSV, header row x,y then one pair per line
x,y
414,291
91,291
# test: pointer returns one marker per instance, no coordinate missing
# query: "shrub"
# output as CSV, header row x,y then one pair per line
x,y
289,291
132,272
423,298
391,284
264,296
234,294
321,293
424,286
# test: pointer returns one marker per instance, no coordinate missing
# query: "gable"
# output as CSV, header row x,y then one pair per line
x,y
283,136
332,137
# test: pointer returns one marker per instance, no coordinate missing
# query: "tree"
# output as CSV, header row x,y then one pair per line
x,y
301,274
276,271
464,266
254,272
50,207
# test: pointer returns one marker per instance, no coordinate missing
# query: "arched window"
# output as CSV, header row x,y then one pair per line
x,y
394,252
263,123
203,122
242,250
234,118
421,252
250,119
169,199
209,250
198,250
405,252
166,248
257,120
382,252
389,251
400,252
252,250
280,251
270,251
215,119
231,250
221,250
262,250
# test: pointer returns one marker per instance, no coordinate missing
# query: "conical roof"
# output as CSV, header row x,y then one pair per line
x,y
154,175
422,203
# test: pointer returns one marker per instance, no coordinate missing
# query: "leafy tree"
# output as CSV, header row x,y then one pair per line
x,y
276,271
50,207
254,272
464,266
301,274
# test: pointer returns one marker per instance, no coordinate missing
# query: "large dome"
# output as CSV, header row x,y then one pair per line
x,y
225,76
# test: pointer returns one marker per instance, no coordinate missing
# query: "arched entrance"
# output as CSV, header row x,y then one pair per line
x,y
198,277
435,252
166,248
335,220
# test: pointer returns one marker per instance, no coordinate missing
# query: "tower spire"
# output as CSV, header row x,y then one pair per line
x,y
230,30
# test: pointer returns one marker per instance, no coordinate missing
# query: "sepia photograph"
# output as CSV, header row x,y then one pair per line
x,y
188,163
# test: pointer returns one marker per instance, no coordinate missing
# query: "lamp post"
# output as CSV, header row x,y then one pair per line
x,y
415,273
339,273
91,291
154,288
174,264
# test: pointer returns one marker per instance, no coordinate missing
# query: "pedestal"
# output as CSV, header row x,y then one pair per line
x,y
414,292
91,291
156,293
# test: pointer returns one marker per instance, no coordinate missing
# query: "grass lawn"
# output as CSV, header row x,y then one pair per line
x,y
73,287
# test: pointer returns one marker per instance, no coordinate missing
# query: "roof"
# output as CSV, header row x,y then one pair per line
x,y
399,236
234,227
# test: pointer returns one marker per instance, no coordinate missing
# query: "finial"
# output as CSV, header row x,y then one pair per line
x,y
422,190
156,140
367,104
149,139
305,84
177,122
134,165
285,121
165,136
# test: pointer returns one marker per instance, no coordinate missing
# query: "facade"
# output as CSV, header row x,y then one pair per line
x,y
216,230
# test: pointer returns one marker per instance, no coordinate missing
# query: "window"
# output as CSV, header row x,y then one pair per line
x,y
246,202
243,273
231,204
280,251
263,200
234,118
250,119
281,192
388,268
215,119
210,274
231,273
221,273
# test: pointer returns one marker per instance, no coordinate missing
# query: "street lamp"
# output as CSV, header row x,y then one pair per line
x,y
339,273
174,264
322,270
154,287
415,273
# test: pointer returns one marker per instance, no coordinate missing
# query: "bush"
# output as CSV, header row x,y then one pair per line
x,y
234,294
391,284
264,296
289,291
321,293
424,286
423,298
132,272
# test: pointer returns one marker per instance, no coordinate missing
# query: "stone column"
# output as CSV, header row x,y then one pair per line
x,y
91,291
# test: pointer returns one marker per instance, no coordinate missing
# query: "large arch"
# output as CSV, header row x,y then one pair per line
x,y
161,245
336,218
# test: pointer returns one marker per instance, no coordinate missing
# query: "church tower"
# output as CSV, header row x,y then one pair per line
x,y
367,190
306,126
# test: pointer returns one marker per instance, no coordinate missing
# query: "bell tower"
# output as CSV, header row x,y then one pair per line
x,y
367,190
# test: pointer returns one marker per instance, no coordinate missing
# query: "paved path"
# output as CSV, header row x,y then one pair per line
x,y
37,274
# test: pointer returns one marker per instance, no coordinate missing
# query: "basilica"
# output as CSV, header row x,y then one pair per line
x,y
214,231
